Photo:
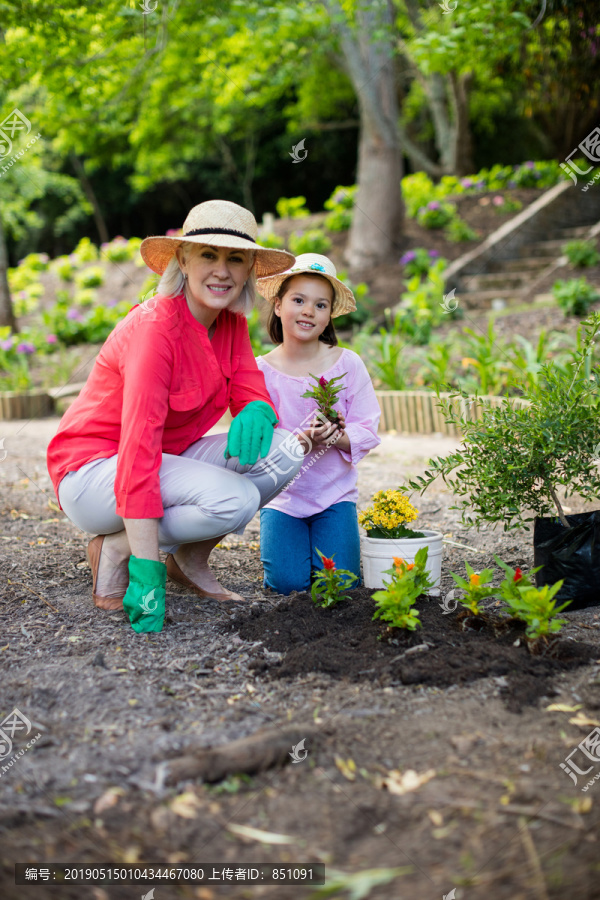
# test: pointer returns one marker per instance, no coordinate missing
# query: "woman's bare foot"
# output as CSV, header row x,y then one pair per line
x,y
192,559
113,567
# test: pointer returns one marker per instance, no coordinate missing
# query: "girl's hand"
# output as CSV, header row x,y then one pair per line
x,y
321,432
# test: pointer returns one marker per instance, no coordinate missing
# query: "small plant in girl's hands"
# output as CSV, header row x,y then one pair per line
x,y
325,393
409,581
475,588
330,582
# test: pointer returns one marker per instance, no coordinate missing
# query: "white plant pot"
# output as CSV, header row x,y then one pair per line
x,y
378,555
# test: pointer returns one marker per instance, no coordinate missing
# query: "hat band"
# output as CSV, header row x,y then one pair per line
x,y
241,234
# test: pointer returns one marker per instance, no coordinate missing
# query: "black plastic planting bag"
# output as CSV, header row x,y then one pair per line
x,y
570,553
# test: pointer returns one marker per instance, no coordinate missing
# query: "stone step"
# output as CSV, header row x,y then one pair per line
x,y
534,263
485,299
499,280
543,248
571,234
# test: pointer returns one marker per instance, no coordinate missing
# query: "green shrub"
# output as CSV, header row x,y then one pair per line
x,y
85,297
457,230
91,277
574,296
292,208
85,251
311,241
581,254
36,262
419,261
340,220
341,204
271,240
63,267
21,278
364,304
436,214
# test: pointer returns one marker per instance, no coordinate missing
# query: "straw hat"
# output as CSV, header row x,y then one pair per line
x,y
220,224
311,264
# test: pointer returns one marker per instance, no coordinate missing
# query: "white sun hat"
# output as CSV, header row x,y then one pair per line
x,y
311,264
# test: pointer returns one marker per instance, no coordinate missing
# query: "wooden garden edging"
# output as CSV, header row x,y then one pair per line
x,y
25,404
418,412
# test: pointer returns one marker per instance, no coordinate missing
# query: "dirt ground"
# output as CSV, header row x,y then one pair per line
x,y
480,723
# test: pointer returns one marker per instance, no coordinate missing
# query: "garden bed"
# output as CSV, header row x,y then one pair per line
x,y
451,649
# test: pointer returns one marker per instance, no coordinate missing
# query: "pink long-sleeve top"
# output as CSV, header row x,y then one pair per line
x,y
326,477
158,384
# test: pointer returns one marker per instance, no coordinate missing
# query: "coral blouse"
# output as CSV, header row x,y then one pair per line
x,y
158,385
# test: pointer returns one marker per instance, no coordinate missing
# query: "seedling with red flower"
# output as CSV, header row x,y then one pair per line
x,y
329,583
326,393
514,580
534,606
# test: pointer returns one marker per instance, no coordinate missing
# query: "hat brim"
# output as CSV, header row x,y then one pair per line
x,y
157,252
344,301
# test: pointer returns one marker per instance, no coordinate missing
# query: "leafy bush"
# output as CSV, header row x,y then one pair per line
x,y
486,362
271,240
258,336
436,214
364,304
504,205
85,251
574,296
419,261
91,277
340,203
35,262
21,277
395,604
513,460
582,253
71,326
63,267
458,230
292,208
421,305
311,241
85,298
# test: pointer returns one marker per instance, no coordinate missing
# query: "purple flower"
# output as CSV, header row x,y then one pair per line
x,y
51,339
512,184
466,183
74,315
433,253
111,302
25,347
7,344
480,184
433,204
408,257
530,165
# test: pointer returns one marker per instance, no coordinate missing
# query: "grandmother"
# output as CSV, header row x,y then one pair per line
x,y
129,462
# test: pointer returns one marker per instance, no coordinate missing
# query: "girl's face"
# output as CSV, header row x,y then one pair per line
x,y
215,279
305,308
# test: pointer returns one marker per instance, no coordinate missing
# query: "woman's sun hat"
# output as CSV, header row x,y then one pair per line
x,y
218,223
311,264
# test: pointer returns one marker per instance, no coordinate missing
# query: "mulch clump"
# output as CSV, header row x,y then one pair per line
x,y
344,642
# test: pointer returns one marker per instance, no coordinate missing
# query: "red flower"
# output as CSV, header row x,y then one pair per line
x,y
322,381
518,574
328,563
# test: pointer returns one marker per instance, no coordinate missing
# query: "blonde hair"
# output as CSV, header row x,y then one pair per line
x,y
172,283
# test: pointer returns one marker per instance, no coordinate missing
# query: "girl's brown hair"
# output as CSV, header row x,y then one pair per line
x,y
275,329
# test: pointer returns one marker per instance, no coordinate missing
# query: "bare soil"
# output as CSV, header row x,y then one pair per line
x,y
489,811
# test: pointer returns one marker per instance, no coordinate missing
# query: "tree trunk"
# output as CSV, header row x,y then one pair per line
x,y
89,193
7,316
463,143
369,62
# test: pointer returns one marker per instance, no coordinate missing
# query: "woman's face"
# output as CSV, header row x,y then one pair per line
x,y
305,308
215,278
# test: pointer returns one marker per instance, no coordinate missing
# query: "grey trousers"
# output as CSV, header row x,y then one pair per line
x,y
203,494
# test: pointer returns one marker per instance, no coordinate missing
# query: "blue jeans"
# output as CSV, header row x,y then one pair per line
x,y
288,545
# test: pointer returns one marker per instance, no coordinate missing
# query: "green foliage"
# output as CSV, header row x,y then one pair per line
x,y
395,604
512,461
457,230
329,582
486,362
73,327
581,253
271,240
120,250
35,262
341,203
63,267
357,885
258,336
325,392
419,261
292,208
476,588
311,241
85,251
537,608
85,297
504,205
390,366
91,277
575,296
364,304
421,306
436,214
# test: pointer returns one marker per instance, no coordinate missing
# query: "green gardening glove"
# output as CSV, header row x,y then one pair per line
x,y
144,601
251,433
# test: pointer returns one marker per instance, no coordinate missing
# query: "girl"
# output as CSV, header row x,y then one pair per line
x,y
318,508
